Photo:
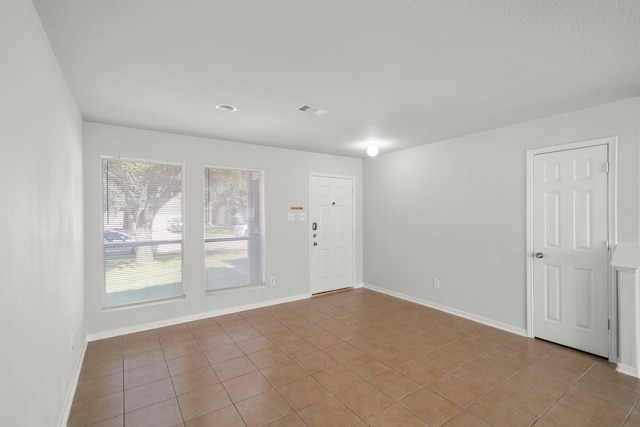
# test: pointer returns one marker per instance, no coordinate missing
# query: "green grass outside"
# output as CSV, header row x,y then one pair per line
x,y
162,277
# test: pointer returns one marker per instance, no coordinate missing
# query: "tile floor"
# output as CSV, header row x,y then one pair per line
x,y
349,358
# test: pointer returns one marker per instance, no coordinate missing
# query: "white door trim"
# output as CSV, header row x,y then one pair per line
x,y
352,178
612,145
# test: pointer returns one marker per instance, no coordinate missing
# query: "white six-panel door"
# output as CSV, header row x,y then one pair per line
x,y
331,210
570,243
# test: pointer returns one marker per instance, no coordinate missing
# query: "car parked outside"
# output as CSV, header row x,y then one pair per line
x,y
174,225
113,240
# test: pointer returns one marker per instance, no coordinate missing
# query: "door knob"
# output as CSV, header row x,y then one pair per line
x,y
315,243
539,255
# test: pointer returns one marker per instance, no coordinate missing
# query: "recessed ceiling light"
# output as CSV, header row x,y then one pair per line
x,y
227,107
372,150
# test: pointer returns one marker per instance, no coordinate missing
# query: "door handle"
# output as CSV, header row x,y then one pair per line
x,y
315,243
539,255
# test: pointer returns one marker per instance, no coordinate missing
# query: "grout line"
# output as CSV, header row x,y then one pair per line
x,y
556,401
633,407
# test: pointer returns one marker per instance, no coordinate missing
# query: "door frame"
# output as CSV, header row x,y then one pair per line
x,y
353,219
612,185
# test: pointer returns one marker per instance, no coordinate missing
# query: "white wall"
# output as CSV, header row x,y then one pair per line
x,y
286,183
455,210
42,302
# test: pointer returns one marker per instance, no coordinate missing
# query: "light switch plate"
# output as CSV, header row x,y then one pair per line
x,y
303,216
292,216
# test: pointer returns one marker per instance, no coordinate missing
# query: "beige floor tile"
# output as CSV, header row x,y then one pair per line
x,y
337,378
465,419
589,403
442,360
420,372
148,394
430,407
394,384
214,341
254,344
224,353
194,380
366,366
282,337
146,358
324,340
328,412
227,417
476,377
92,370
111,422
180,350
561,415
364,400
500,414
263,408
247,385
284,373
343,352
315,362
457,391
395,415
298,348
233,368
242,334
145,375
182,337
303,392
291,420
268,357
187,363
161,414
528,399
100,387
199,402
92,411
607,371
608,390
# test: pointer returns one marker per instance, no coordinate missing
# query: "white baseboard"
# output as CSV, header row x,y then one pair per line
x,y
74,385
628,370
489,322
177,320
358,286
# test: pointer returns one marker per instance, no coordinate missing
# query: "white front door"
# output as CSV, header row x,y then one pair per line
x,y
331,228
570,245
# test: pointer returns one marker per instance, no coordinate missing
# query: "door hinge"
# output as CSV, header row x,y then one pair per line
x,y
609,324
606,167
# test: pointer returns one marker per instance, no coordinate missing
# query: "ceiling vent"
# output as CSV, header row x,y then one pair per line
x,y
310,109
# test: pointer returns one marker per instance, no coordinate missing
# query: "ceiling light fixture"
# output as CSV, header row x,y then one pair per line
x,y
372,150
227,107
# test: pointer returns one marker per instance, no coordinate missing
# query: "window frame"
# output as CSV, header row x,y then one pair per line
x,y
103,293
262,283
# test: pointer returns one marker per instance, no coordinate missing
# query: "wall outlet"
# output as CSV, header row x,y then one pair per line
x,y
436,283
272,280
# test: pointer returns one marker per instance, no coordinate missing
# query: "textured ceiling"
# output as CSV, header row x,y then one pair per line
x,y
404,72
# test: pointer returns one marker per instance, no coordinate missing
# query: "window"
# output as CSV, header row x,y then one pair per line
x,y
142,229
233,228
